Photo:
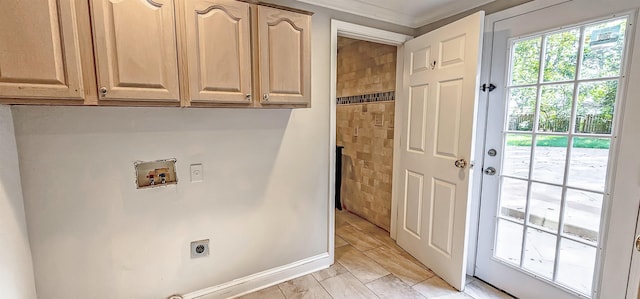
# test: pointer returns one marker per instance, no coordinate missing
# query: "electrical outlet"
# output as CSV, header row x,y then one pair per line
x,y
197,173
199,248
155,173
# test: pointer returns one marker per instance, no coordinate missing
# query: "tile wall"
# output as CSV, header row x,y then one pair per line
x,y
365,67
365,125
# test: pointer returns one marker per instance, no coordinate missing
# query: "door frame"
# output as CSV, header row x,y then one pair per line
x,y
360,32
481,121
633,286
623,206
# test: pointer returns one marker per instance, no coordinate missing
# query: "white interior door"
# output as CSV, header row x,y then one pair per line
x,y
440,87
552,123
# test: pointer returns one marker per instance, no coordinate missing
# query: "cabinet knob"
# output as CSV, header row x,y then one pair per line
x,y
103,91
248,97
265,97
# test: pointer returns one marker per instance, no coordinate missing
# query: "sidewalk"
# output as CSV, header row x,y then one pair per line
x,y
588,169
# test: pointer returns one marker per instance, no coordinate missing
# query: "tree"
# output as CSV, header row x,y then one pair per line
x,y
601,58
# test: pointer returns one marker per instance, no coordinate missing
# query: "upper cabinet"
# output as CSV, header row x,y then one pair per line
x,y
40,53
285,56
201,53
136,50
218,52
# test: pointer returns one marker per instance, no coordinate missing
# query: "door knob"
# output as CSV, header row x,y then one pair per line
x,y
638,243
461,163
490,171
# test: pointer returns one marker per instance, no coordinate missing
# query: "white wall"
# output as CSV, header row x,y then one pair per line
x,y
16,267
263,203
625,196
94,235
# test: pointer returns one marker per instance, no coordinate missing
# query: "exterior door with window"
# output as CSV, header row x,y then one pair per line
x,y
552,124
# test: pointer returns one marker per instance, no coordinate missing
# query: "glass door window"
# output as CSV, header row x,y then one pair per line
x,y
562,92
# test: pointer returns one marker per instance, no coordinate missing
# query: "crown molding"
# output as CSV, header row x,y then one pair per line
x,y
370,10
365,10
452,9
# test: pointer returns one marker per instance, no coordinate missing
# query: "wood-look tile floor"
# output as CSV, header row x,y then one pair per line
x,y
369,264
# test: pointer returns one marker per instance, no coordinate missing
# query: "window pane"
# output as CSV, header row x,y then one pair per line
x,y
550,157
522,109
525,61
517,155
555,108
589,161
544,207
602,49
561,56
596,102
509,241
540,252
582,215
576,265
513,198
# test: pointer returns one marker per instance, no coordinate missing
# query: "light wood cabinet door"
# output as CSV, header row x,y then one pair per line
x,y
285,56
218,51
136,50
39,50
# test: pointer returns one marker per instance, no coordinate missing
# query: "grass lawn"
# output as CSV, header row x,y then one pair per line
x,y
558,141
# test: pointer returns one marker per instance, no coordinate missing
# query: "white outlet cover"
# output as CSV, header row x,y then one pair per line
x,y
197,173
200,248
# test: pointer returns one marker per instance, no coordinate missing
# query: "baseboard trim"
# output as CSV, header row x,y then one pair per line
x,y
254,282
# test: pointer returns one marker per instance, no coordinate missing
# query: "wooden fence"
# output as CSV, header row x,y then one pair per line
x,y
590,123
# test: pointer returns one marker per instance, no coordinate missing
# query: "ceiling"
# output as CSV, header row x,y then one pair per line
x,y
411,13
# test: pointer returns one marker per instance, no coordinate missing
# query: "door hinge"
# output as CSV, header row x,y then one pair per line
x,y
490,87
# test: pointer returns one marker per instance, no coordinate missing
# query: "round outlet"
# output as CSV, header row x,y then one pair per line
x,y
200,248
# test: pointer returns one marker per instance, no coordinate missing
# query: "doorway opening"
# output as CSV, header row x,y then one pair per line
x,y
451,48
358,32
365,111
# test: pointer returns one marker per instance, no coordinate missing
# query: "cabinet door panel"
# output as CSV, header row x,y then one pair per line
x,y
285,60
218,51
39,51
136,49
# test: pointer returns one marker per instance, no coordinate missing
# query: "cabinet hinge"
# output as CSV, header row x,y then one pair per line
x,y
490,87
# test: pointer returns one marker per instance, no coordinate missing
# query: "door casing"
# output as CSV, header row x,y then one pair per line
x,y
355,31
